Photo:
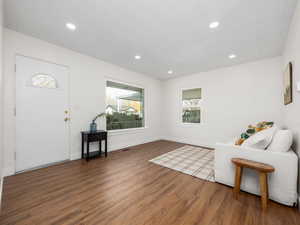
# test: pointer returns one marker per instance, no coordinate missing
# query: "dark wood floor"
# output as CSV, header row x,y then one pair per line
x,y
125,189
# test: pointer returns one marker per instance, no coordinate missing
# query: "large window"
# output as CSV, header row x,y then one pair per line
x,y
191,111
124,106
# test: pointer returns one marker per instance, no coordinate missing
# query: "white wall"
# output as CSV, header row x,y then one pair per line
x,y
292,54
1,96
87,93
233,98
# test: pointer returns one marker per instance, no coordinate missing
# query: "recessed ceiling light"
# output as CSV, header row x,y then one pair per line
x,y
137,57
170,71
71,26
232,56
214,25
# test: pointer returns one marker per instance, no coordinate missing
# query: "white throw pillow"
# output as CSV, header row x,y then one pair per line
x,y
282,141
261,139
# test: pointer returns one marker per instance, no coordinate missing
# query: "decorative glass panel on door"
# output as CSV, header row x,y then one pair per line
x,y
43,81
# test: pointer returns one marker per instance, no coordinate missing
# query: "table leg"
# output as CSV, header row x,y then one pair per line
x,y
105,147
82,146
100,147
263,189
238,180
88,151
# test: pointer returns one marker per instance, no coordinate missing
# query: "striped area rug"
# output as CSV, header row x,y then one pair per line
x,y
195,161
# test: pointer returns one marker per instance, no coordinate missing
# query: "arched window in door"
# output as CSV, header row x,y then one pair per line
x,y
44,81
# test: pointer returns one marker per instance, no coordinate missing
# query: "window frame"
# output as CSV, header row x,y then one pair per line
x,y
128,130
181,107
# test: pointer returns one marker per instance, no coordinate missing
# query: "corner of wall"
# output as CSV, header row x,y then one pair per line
x,y
1,98
291,54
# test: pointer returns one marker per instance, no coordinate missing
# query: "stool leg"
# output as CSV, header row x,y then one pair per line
x,y
263,189
238,179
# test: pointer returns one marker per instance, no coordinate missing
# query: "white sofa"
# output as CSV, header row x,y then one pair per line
x,y
282,182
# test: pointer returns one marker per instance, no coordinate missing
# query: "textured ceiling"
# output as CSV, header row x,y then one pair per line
x,y
168,34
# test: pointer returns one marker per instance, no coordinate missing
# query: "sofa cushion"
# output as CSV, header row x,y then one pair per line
x,y
251,130
260,140
282,141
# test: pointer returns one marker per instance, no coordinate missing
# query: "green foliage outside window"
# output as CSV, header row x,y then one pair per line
x,y
123,121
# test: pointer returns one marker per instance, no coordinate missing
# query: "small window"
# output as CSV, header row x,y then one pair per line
x,y
43,81
124,106
191,99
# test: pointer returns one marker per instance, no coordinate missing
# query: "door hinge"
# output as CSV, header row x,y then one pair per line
x,y
15,67
15,111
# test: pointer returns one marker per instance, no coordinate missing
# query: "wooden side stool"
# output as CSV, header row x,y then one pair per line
x,y
263,170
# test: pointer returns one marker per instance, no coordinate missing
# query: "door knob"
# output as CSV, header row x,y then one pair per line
x,y
66,119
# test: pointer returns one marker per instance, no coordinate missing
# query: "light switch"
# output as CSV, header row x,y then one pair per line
x,y
298,86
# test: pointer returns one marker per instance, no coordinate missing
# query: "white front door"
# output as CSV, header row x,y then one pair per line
x,y
42,113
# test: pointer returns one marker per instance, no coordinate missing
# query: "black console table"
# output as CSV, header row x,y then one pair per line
x,y
88,137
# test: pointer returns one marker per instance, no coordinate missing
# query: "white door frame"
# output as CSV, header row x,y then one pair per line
x,y
15,103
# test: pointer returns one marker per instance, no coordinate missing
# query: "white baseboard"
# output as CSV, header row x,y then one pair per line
x,y
118,146
8,171
188,141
